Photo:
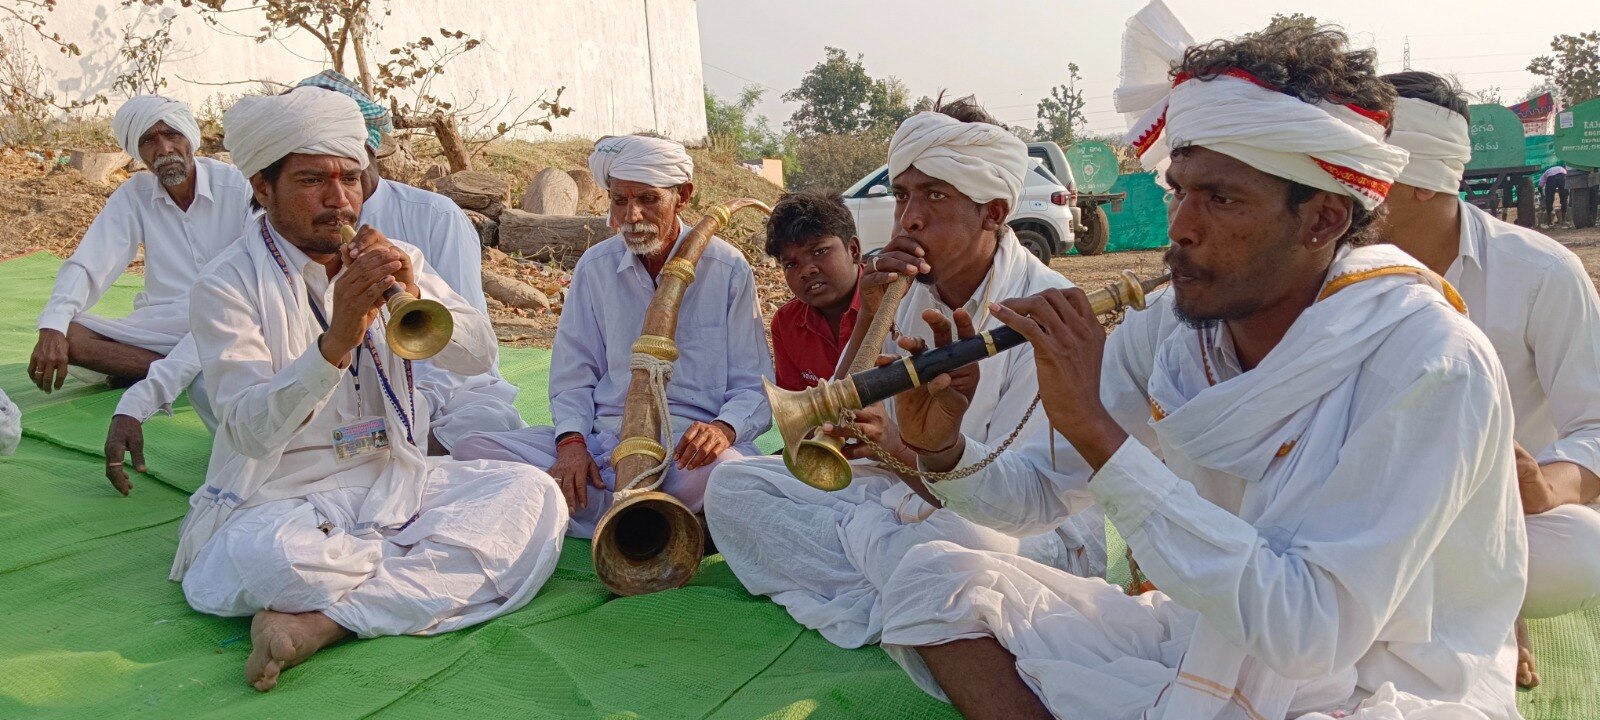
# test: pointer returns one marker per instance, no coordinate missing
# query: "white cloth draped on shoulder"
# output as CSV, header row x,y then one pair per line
x,y
824,556
1314,531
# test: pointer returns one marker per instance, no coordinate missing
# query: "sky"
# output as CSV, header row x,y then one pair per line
x,y
1011,52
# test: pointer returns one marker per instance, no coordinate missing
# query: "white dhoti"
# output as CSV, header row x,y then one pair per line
x,y
824,556
536,446
1563,561
486,538
1082,646
156,328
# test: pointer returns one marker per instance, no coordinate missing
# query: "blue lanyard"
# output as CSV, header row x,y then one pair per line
x,y
366,340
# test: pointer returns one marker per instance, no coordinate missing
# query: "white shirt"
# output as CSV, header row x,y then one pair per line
x,y
177,244
721,338
1403,558
1534,300
438,227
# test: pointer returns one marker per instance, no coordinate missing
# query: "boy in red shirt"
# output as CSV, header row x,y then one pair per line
x,y
813,238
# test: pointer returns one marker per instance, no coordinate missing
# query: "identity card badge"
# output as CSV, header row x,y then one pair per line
x,y
367,435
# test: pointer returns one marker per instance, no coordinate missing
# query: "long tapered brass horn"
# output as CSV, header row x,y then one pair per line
x,y
798,413
650,540
417,329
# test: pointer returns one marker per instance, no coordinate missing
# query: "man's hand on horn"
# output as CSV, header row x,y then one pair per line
x,y
1068,343
930,415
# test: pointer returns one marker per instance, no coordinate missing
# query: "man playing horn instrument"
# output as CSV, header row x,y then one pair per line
x,y
435,225
183,212
1336,519
823,555
714,397
321,515
1534,300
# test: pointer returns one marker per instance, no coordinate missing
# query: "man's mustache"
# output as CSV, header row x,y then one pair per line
x,y
332,216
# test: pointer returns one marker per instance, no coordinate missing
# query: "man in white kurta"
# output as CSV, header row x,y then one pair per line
x,y
1334,526
1535,301
429,221
825,555
714,396
321,514
181,213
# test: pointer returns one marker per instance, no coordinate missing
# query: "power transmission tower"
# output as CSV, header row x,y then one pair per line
x,y
1405,63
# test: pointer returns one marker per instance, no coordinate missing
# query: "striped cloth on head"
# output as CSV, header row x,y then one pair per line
x,y
379,122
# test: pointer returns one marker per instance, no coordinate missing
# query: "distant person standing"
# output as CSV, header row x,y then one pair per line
x,y
1554,182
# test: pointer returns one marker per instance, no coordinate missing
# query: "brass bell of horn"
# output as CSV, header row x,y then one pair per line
x,y
417,329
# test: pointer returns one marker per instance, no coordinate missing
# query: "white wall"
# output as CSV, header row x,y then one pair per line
x,y
628,65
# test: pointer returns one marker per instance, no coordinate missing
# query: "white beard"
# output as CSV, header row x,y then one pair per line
x,y
642,238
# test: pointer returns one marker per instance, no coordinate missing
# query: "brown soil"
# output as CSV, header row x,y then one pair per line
x,y
47,206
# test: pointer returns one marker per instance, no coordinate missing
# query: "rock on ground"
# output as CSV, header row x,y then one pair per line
x,y
552,192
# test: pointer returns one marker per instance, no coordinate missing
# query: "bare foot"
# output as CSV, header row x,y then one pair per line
x,y
279,641
1527,673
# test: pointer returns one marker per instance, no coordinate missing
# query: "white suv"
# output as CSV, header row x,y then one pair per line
x,y
1042,220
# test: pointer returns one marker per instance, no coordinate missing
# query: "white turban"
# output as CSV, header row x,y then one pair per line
x,y
653,161
1439,140
260,131
1328,146
141,112
983,161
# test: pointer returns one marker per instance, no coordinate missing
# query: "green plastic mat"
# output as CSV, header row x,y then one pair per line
x,y
92,628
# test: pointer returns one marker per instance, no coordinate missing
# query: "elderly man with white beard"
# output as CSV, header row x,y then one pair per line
x,y
715,396
321,515
183,213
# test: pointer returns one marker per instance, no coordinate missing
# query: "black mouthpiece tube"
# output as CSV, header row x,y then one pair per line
x,y
885,382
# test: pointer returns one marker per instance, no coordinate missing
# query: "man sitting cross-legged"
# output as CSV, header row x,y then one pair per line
x,y
1335,522
321,514
714,397
813,238
1534,300
824,556
183,213
429,221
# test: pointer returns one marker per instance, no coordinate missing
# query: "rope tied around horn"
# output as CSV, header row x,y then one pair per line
x,y
659,372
